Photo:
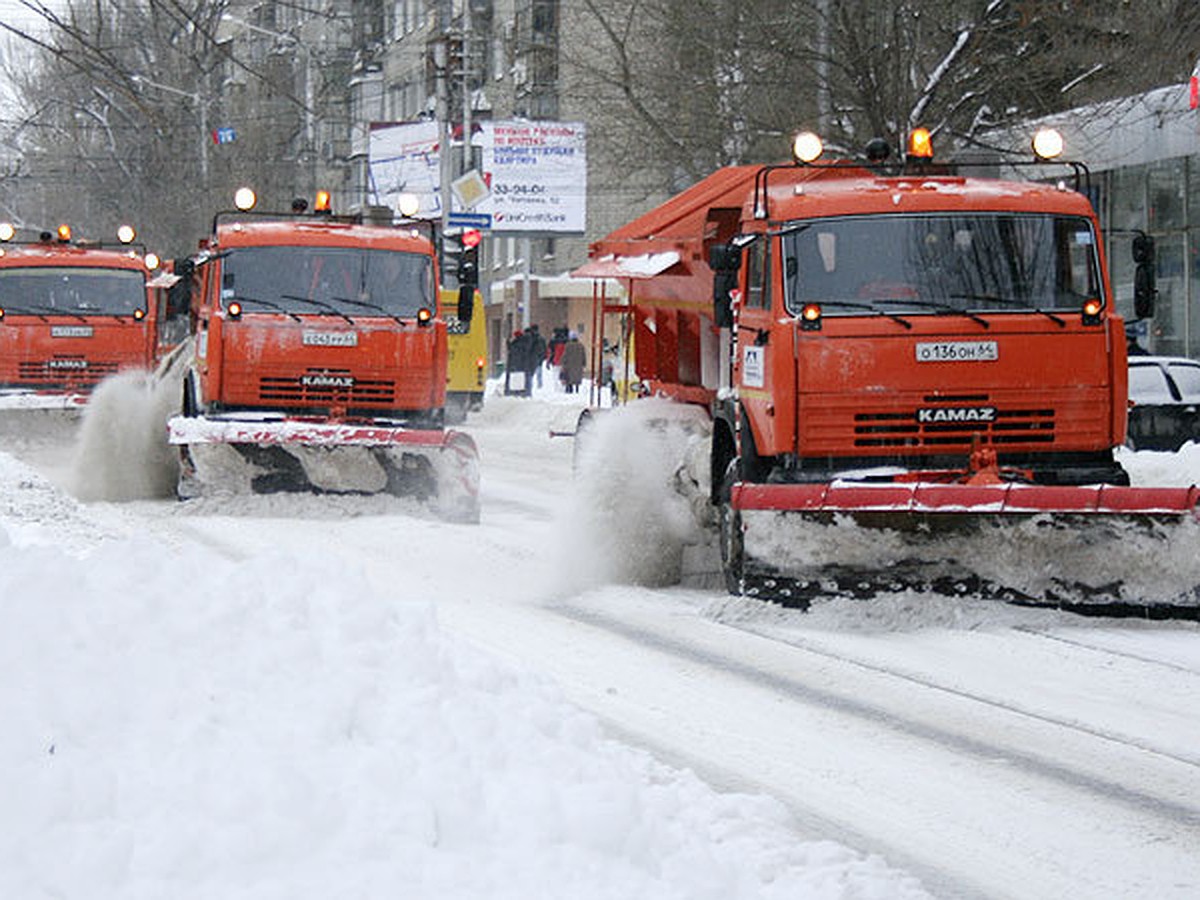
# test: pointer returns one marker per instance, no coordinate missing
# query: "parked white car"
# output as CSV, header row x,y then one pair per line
x,y
1164,396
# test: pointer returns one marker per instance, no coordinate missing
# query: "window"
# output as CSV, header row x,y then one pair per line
x,y
758,291
1128,198
1187,379
336,281
1147,384
942,262
1166,189
76,290
1169,327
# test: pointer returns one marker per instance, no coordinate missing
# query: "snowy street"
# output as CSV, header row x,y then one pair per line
x,y
293,696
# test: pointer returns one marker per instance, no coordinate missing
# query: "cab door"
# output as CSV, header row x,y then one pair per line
x,y
756,349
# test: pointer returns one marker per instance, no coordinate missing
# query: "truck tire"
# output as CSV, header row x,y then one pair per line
x,y
729,532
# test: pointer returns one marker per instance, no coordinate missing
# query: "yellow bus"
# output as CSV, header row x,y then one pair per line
x,y
466,374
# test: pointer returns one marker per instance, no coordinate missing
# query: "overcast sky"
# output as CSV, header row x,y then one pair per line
x,y
17,14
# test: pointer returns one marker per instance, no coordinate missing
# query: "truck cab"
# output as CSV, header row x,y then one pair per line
x,y
910,321
71,314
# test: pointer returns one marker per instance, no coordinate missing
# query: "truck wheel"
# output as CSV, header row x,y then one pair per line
x,y
729,530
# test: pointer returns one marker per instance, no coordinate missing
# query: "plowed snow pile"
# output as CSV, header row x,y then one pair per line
x,y
179,724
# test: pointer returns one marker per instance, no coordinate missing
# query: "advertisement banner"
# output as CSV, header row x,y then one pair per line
x,y
537,172
403,159
534,174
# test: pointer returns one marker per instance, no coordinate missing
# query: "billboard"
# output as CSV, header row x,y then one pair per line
x,y
535,173
403,158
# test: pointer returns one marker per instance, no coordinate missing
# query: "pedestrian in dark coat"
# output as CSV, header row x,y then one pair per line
x,y
574,360
516,362
537,356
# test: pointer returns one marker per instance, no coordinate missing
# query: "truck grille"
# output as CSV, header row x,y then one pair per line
x,y
74,370
327,386
940,430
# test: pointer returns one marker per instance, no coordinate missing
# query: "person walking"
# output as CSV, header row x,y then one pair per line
x,y
574,359
537,356
515,365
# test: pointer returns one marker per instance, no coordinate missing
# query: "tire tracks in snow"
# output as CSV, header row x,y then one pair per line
x,y
1183,814
1015,709
1108,651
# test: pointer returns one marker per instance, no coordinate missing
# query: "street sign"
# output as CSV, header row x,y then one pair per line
x,y
470,189
469,220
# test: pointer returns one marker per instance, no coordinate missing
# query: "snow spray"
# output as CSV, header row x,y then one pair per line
x,y
122,452
629,515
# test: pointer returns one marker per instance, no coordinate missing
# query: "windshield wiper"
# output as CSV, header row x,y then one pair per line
x,y
24,310
36,309
267,303
320,304
870,308
368,305
1008,301
940,307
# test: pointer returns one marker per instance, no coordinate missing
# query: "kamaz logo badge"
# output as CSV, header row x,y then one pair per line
x,y
66,364
327,381
956,414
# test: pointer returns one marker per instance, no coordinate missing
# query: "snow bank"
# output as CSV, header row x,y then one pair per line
x,y
178,723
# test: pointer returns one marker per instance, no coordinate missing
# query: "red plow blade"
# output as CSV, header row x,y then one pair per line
x,y
1099,548
272,455
986,499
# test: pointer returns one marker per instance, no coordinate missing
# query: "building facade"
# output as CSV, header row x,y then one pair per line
x,y
1143,153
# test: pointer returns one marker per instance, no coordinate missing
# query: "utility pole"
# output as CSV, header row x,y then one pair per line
x,y
441,59
468,154
201,103
824,104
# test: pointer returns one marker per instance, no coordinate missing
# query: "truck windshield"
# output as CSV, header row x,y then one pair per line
x,y
941,263
72,290
345,280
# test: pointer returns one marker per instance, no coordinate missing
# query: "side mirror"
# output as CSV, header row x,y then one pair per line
x,y
179,295
466,306
1145,291
1145,283
724,260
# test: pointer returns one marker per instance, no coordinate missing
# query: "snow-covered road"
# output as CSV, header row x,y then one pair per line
x,y
989,751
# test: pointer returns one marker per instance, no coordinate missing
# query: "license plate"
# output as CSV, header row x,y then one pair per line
x,y
330,338
958,351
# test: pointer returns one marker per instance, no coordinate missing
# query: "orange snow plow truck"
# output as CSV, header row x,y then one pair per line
x,y
916,381
320,362
72,313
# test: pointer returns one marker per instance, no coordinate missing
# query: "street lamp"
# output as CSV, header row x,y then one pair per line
x,y
201,108
309,113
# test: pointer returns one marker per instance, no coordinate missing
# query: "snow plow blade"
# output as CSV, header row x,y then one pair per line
x,y
265,455
1104,549
22,400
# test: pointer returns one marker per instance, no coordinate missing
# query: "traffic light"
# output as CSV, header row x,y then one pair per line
x,y
468,261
